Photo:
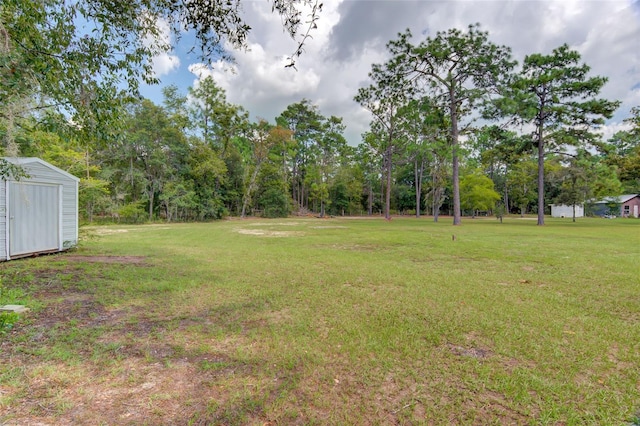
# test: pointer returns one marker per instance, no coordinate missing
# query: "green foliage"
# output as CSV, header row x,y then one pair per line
x,y
10,170
477,193
214,118
584,179
93,196
555,94
274,203
460,71
198,157
132,212
622,151
385,98
521,180
178,199
346,191
85,59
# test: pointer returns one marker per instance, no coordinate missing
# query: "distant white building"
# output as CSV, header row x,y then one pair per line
x,y
562,210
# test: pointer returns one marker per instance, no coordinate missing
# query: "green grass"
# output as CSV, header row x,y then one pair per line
x,y
340,321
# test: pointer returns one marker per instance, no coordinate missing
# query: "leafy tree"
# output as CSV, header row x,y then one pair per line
x,y
93,195
178,199
313,154
477,193
330,145
132,212
207,171
371,167
176,107
460,70
305,123
216,120
273,197
521,180
554,93
622,150
263,138
425,128
85,58
497,150
439,170
320,193
157,146
384,99
346,190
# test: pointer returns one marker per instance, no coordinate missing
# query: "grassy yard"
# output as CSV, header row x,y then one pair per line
x,y
336,321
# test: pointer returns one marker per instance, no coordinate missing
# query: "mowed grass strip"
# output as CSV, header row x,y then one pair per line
x,y
336,321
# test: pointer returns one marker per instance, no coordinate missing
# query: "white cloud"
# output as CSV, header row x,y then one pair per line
x,y
611,129
164,62
352,34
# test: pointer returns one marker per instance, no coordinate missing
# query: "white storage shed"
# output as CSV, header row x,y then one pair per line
x,y
39,212
562,210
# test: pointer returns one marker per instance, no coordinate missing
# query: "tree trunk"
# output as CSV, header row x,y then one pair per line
x,y
250,188
90,211
574,213
387,207
418,172
506,192
457,217
540,176
151,193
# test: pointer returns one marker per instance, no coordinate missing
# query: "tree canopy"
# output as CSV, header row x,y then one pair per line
x,y
555,93
198,156
458,70
80,61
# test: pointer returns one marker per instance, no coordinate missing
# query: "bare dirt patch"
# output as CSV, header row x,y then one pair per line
x,y
129,260
110,231
269,233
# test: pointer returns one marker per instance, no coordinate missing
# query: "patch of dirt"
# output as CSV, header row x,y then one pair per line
x,y
329,227
353,247
128,260
275,223
268,233
478,353
110,231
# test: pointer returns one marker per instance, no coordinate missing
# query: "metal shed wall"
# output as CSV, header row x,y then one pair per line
x,y
41,172
562,210
3,220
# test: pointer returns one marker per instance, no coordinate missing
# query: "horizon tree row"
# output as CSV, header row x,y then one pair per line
x,y
457,78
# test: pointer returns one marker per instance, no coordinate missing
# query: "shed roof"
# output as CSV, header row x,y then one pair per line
x,y
29,160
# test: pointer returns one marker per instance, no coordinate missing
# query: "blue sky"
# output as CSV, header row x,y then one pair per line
x,y
352,34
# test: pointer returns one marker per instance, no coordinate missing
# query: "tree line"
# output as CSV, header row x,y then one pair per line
x,y
457,127
459,96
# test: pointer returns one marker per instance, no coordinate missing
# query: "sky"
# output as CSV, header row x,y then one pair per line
x,y
352,34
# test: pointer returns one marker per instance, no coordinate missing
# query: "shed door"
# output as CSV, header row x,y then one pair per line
x,y
34,218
